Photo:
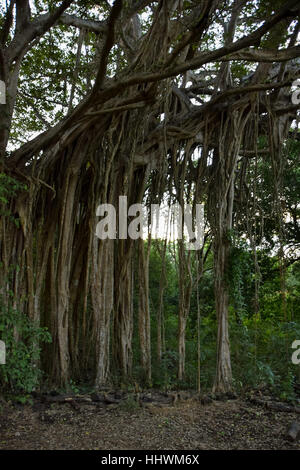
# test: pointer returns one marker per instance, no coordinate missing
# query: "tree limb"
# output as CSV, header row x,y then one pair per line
x,y
82,23
115,13
7,23
34,29
264,55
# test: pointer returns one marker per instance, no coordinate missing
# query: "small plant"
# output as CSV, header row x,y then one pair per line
x,y
23,399
9,187
129,405
22,339
73,387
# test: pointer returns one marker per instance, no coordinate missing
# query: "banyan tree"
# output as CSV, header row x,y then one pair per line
x,y
161,100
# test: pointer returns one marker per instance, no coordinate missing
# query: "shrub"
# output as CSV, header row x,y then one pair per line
x,y
22,339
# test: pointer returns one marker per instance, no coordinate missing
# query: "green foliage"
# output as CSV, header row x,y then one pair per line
x,y
260,344
261,355
22,399
73,387
239,274
165,373
130,404
9,187
22,339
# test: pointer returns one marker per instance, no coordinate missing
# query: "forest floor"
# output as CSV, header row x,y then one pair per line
x,y
148,424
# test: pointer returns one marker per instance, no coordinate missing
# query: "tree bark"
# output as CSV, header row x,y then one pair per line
x,y
102,302
144,309
123,310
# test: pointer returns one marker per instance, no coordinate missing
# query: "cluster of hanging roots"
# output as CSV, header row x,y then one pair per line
x,y
81,287
62,276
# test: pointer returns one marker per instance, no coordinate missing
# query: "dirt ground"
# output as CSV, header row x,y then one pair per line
x,y
188,425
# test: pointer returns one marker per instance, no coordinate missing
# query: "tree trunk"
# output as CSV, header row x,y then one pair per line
x,y
144,309
185,292
123,310
102,302
181,346
160,310
221,198
223,379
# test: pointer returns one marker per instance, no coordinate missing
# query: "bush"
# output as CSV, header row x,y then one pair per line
x,y
261,355
22,339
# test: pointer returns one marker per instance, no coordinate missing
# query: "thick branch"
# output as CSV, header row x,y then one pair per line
x,y
265,55
81,23
34,29
115,13
7,23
